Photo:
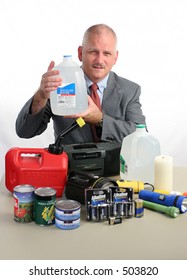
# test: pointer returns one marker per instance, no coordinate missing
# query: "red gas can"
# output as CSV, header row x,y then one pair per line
x,y
37,167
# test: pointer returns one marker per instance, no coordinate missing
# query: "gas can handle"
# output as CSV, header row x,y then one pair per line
x,y
29,152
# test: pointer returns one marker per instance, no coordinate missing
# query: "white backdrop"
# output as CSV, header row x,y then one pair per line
x,y
152,52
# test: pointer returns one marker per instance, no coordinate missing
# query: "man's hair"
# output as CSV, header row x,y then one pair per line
x,y
98,29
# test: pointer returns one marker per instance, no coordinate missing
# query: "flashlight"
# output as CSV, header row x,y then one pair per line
x,y
168,192
169,210
136,185
178,201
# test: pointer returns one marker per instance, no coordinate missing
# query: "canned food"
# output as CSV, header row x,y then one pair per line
x,y
67,224
67,214
44,206
23,203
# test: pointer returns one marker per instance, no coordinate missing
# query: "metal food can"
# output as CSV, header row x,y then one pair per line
x,y
139,208
44,206
67,214
23,203
67,224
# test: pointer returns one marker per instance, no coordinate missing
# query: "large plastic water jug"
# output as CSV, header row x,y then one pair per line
x,y
137,155
71,97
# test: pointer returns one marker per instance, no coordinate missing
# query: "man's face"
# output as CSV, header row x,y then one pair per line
x,y
98,56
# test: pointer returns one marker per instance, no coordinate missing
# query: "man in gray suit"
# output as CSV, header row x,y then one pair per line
x,y
120,106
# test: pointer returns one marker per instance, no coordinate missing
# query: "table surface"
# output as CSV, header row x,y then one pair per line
x,y
155,236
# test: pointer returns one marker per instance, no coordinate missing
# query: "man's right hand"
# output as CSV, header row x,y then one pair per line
x,y
49,82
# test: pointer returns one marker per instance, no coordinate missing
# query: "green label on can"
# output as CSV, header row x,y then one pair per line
x,y
44,212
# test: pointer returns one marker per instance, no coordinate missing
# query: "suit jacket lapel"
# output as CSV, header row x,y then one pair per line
x,y
111,96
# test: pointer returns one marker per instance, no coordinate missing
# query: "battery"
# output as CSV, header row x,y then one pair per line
x,y
94,213
103,212
139,208
115,220
129,209
115,209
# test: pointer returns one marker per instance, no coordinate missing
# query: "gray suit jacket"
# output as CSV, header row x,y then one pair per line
x,y
121,112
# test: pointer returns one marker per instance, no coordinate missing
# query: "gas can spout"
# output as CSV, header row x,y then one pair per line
x,y
57,147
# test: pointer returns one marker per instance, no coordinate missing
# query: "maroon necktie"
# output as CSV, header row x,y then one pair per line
x,y
95,97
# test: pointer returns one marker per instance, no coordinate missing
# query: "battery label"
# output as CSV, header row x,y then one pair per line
x,y
120,197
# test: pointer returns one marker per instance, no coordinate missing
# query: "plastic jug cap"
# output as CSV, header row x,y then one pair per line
x,y
140,125
67,55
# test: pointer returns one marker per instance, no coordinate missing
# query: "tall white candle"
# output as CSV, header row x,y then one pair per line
x,y
163,173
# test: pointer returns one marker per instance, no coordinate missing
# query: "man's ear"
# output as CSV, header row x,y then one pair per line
x,y
80,53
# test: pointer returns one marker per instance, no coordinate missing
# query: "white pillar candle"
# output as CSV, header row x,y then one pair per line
x,y
163,173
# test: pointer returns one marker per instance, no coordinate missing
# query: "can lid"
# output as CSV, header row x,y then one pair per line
x,y
45,191
67,204
24,189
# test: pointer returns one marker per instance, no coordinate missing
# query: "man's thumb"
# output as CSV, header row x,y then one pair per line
x,y
51,65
